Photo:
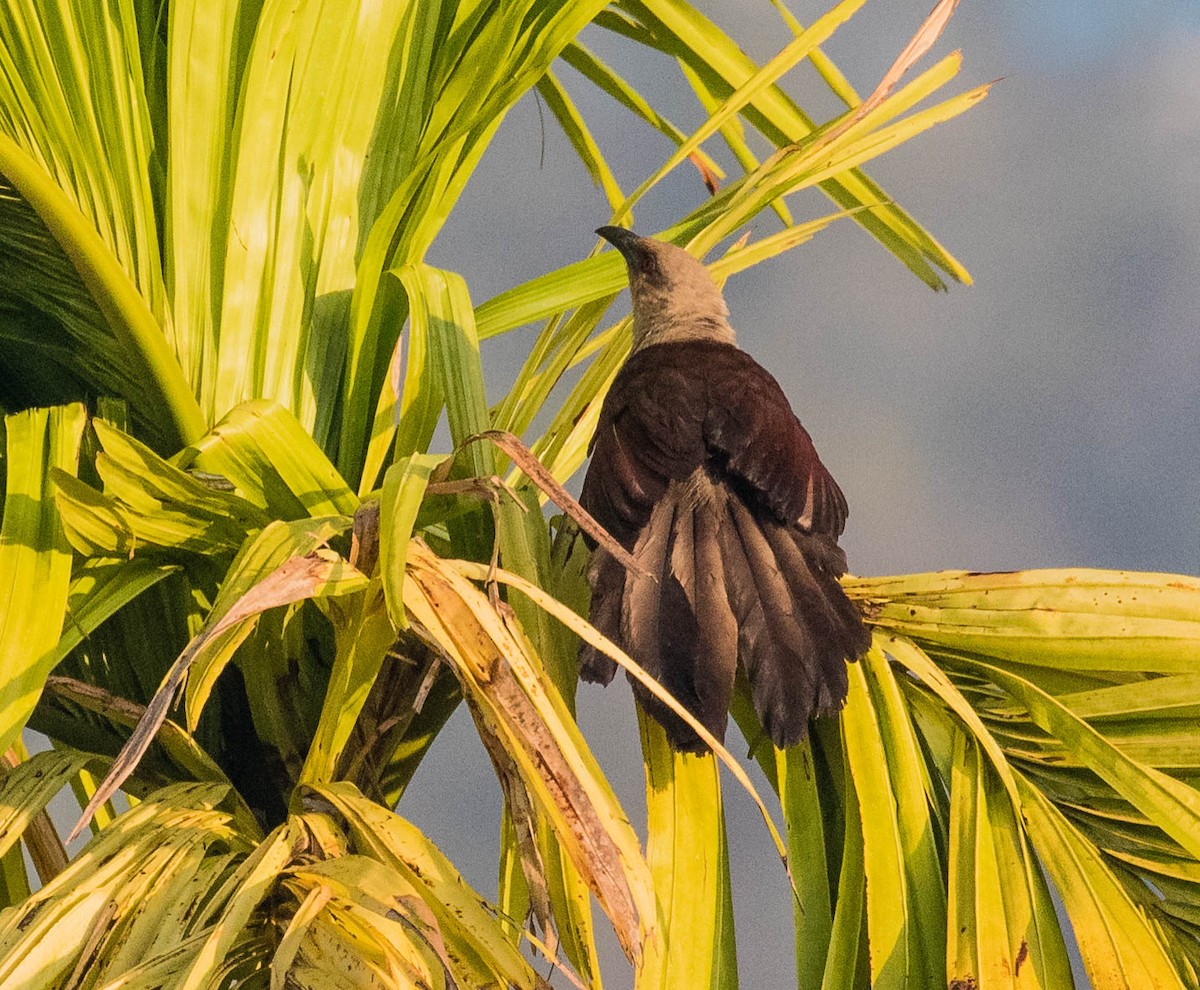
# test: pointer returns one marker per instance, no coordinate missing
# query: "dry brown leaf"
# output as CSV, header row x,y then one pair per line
x,y
451,610
524,822
706,173
930,30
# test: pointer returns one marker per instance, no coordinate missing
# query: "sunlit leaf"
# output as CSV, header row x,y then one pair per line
x,y
272,462
688,854
1078,619
35,560
403,490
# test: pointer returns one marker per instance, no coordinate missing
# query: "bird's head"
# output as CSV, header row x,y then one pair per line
x,y
674,297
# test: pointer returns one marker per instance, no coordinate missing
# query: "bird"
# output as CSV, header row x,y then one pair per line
x,y
702,472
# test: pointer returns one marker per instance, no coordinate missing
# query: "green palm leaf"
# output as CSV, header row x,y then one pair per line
x,y
35,560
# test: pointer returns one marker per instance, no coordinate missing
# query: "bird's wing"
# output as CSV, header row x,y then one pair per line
x,y
757,439
650,433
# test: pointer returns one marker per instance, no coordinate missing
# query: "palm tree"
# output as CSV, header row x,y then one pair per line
x,y
225,357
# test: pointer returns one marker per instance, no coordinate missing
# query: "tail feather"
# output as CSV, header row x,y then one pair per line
x,y
641,607
812,565
778,648
717,643
680,627
725,587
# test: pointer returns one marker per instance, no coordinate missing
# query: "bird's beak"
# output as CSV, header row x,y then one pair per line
x,y
625,241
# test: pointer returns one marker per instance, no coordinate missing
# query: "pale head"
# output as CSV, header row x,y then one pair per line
x,y
674,297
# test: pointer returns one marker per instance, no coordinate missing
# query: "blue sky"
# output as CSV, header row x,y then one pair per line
x,y
1071,32
1049,415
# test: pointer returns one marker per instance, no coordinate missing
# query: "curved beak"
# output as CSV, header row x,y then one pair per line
x,y
625,241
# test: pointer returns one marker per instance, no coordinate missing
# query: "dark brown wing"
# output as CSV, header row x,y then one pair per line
x,y
675,407
751,430
650,433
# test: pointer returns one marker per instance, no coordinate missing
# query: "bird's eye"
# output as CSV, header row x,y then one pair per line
x,y
651,271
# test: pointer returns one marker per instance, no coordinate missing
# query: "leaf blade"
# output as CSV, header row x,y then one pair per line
x,y
35,560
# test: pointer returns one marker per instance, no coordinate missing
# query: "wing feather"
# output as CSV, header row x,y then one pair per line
x,y
750,426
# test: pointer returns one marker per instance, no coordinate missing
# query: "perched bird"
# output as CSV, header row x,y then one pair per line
x,y
703,473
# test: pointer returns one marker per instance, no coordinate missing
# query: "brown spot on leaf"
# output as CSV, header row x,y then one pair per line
x,y
1022,955
30,914
364,544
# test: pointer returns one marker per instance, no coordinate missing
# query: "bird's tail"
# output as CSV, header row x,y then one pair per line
x,y
724,587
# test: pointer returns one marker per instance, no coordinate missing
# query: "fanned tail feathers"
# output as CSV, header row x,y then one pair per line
x,y
729,587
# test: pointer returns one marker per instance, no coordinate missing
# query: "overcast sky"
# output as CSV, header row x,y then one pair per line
x,y
1046,416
